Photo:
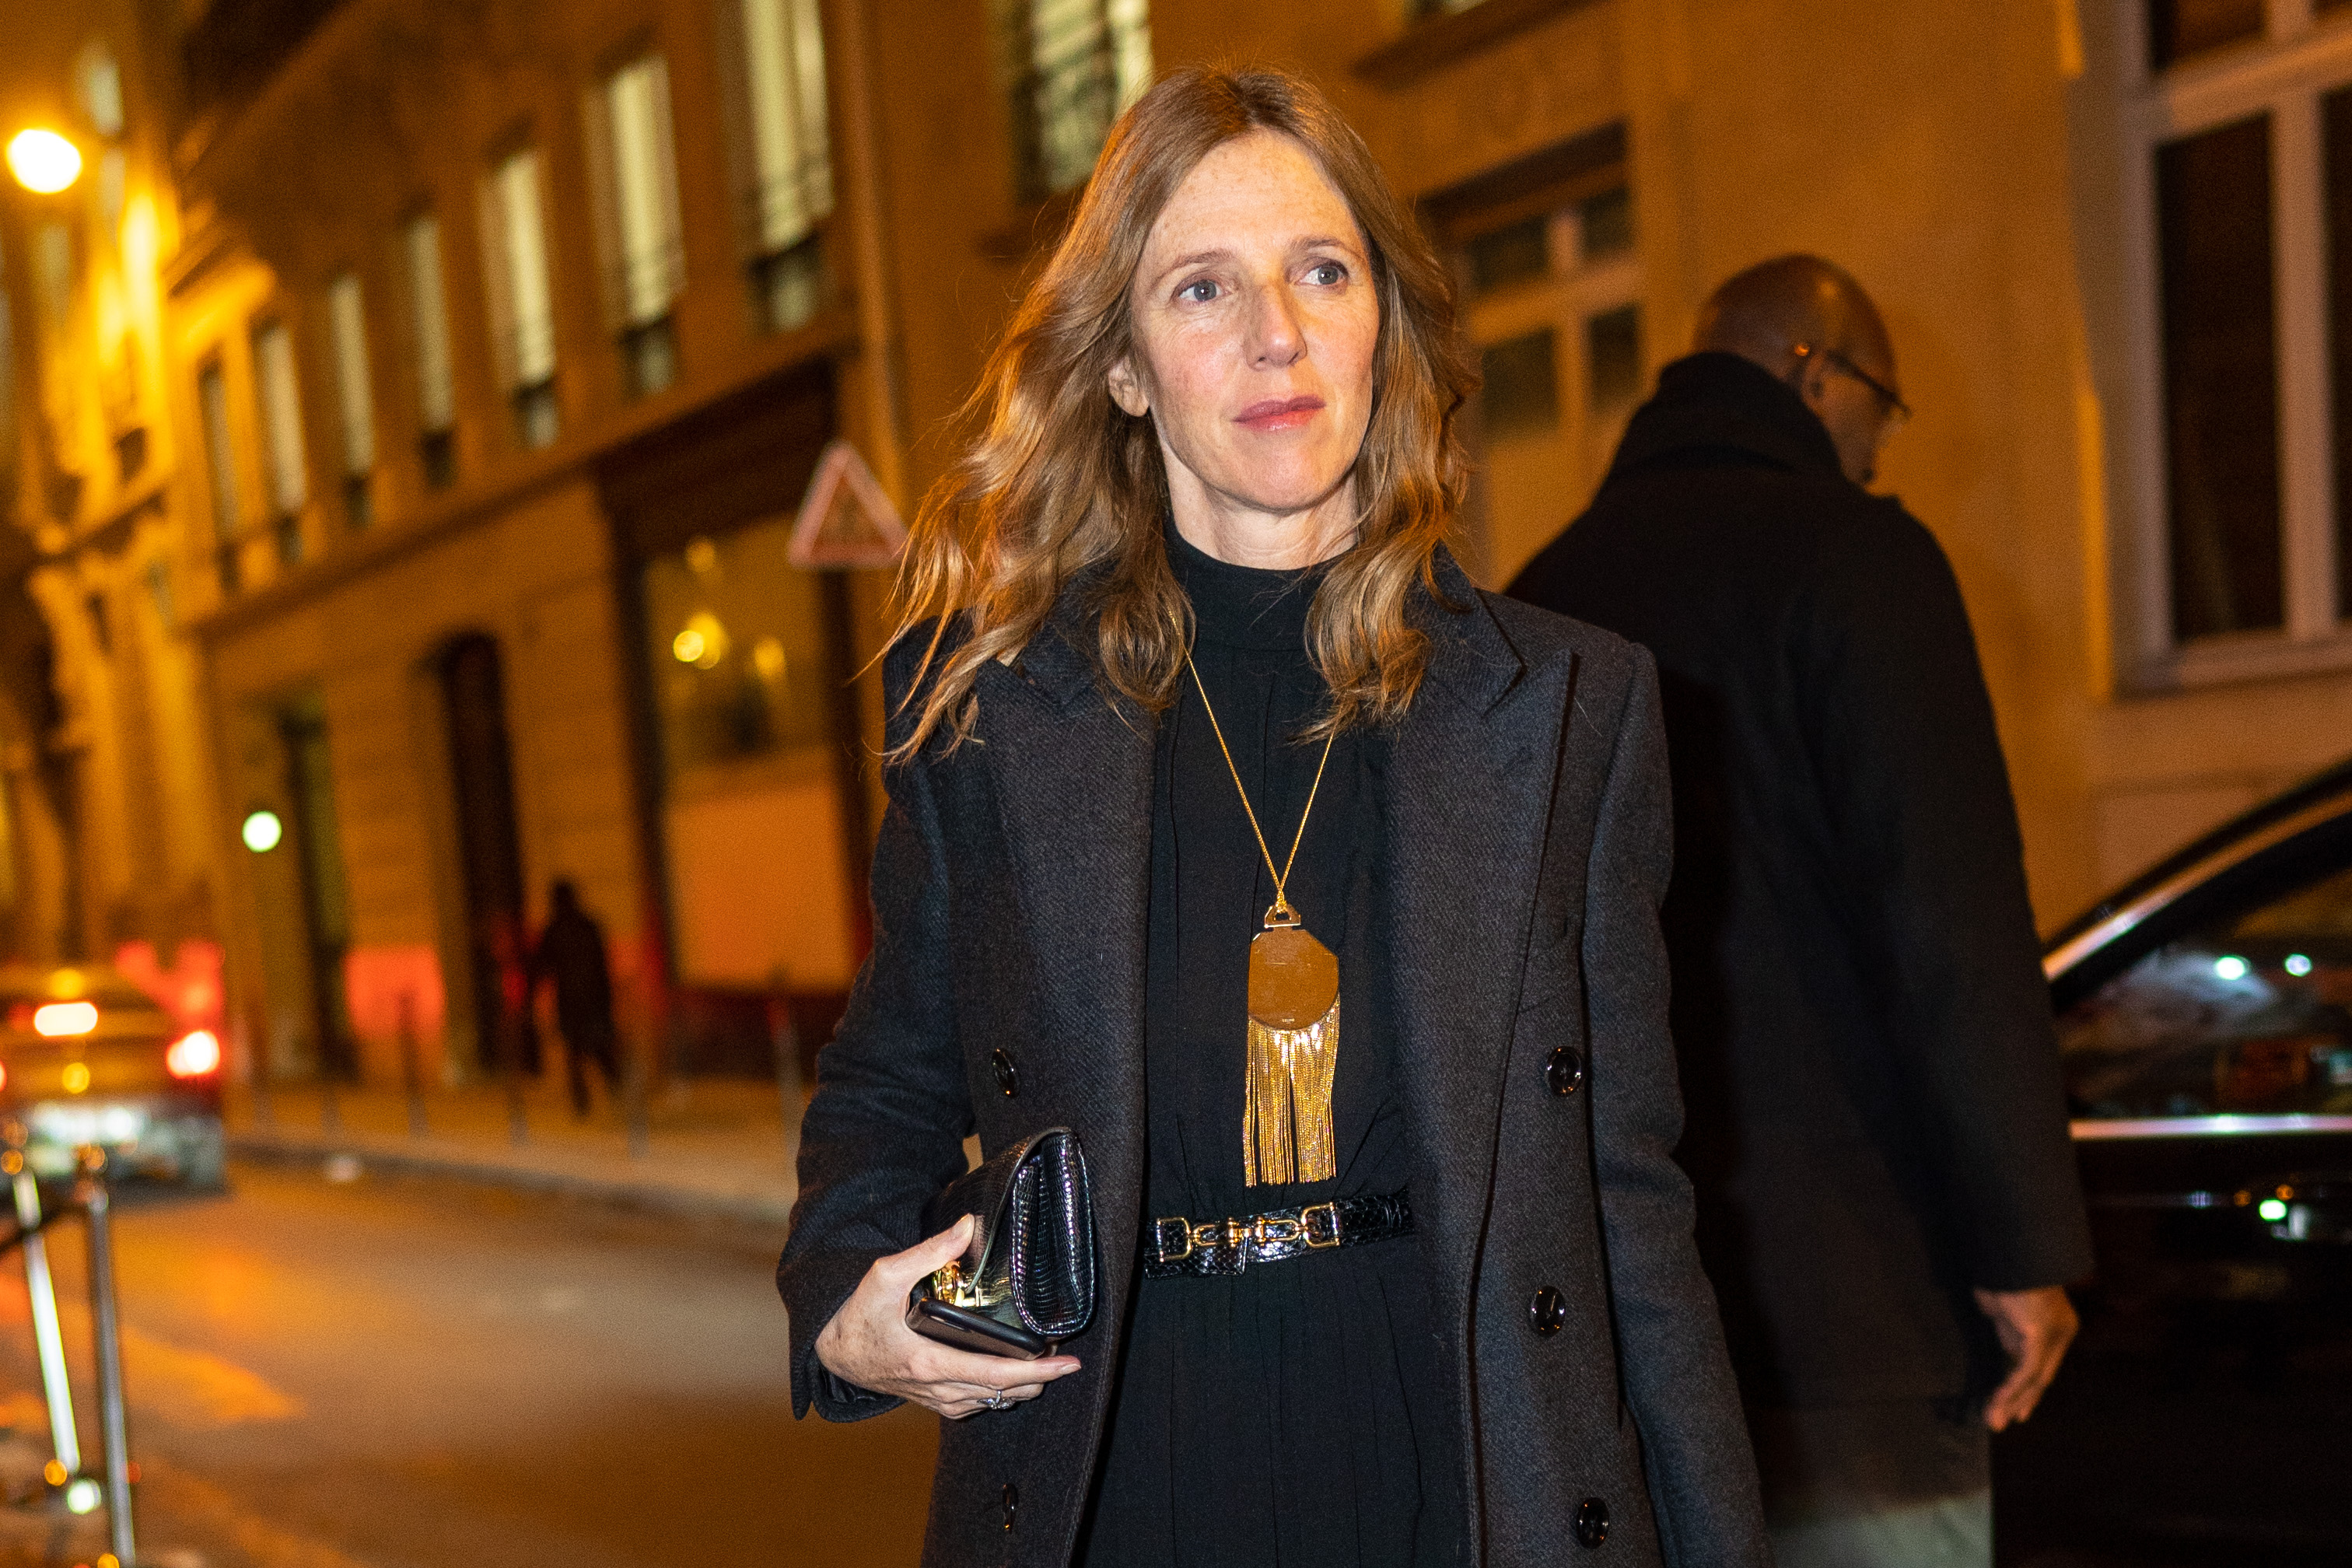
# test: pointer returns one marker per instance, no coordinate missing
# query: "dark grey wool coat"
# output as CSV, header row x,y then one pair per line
x,y
1528,843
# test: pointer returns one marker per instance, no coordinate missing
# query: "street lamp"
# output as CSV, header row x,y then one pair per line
x,y
44,162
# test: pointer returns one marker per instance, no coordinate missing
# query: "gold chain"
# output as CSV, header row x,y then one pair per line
x,y
1281,904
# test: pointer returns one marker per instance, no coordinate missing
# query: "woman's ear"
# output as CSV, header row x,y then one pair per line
x,y
1126,387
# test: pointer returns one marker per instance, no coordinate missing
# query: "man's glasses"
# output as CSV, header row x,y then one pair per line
x,y
1897,412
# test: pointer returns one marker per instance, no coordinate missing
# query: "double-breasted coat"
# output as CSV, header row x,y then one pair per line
x,y
1527,848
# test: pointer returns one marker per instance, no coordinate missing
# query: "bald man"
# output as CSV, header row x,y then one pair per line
x,y
1888,1201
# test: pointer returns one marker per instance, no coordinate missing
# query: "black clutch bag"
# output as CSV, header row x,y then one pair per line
x,y
1026,1282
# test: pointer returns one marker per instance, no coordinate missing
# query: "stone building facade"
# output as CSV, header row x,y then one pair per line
x,y
492,344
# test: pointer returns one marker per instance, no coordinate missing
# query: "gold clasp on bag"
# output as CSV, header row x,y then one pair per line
x,y
948,1285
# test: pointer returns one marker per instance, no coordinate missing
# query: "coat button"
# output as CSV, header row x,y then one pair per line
x,y
1008,1078
1548,1312
1013,1506
1565,1070
1592,1523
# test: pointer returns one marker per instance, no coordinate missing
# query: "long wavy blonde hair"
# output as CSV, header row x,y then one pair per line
x,y
1058,480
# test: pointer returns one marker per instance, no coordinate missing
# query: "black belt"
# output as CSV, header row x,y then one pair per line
x,y
1211,1249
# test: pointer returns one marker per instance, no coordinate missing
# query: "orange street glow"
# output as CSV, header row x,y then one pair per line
x,y
194,1054
44,162
64,1018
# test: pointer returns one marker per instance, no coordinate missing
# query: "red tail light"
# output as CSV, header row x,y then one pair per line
x,y
194,1054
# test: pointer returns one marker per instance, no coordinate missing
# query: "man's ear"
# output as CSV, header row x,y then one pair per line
x,y
1812,380
1127,388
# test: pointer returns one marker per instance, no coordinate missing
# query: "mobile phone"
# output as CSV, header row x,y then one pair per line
x,y
969,1330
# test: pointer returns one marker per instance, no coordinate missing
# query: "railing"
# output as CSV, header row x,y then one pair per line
x,y
92,1200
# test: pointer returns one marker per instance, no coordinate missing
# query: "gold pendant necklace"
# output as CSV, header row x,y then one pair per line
x,y
1293,1016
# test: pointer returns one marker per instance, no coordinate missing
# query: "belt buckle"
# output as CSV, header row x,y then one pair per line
x,y
1269,1229
1307,1224
1159,1238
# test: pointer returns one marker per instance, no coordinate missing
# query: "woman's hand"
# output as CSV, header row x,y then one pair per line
x,y
868,1343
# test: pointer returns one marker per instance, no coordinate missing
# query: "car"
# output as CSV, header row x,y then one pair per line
x,y
89,1058
2205,1020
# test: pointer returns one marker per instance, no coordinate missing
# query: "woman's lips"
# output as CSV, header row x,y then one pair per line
x,y
1279,413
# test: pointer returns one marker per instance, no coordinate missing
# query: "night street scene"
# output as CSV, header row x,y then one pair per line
x,y
717,717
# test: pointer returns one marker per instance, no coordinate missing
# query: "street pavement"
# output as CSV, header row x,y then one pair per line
x,y
711,1146
367,1368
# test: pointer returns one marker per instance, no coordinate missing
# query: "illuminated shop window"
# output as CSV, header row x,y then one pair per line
x,y
285,464
790,157
429,310
2239,203
354,401
643,233
522,301
1072,66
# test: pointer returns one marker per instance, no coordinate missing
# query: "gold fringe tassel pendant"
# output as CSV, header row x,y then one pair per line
x,y
1294,1056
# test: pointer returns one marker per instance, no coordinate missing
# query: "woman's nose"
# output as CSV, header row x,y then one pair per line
x,y
1278,338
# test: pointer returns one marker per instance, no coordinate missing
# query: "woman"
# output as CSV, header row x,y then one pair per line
x,y
1188,678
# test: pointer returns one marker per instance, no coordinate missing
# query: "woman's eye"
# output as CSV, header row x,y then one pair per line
x,y
1326,273
1200,291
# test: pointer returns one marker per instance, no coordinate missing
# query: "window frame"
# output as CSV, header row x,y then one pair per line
x,y
642,284
430,346
353,360
531,399
2282,75
284,452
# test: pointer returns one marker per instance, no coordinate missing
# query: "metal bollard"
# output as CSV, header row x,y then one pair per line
x,y
785,1039
64,1442
105,1330
411,1075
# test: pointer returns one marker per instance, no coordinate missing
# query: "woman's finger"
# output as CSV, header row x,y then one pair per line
x,y
901,1269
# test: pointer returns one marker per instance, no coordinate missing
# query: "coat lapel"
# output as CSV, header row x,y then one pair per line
x,y
1071,764
1470,774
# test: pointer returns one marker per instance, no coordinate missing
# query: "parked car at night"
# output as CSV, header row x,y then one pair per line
x,y
2205,1012
88,1058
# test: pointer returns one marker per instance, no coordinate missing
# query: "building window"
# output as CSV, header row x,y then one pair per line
x,y
354,401
522,303
1551,298
1072,66
283,460
644,236
220,459
2243,204
428,309
791,157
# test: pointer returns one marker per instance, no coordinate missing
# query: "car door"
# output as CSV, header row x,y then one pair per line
x,y
2205,1414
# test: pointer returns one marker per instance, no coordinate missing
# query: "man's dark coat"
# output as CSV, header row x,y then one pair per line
x,y
1875,1120
1528,823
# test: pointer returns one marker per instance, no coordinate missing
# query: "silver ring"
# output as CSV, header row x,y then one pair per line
x,y
995,1401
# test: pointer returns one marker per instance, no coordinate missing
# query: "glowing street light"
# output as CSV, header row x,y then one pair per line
x,y
261,831
43,161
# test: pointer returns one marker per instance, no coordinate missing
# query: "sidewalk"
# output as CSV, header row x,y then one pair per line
x,y
715,1146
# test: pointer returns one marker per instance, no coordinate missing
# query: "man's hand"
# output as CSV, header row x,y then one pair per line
x,y
2035,1328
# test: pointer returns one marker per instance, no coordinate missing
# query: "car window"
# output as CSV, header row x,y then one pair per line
x,y
2248,1011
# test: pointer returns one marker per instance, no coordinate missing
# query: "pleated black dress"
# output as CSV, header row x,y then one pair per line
x,y
1292,1415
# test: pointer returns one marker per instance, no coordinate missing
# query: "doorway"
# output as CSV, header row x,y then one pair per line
x,y
490,854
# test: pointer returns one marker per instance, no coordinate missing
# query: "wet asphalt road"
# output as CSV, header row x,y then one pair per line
x,y
398,1371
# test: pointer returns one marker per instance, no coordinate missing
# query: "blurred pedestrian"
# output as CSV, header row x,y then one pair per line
x,y
1888,1201
571,954
1186,669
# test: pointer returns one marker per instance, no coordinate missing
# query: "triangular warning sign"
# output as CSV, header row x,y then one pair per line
x,y
845,520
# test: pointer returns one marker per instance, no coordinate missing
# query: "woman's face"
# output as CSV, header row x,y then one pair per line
x,y
1255,318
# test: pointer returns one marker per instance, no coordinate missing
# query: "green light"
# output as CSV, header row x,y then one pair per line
x,y
2298,964
2271,1209
262,831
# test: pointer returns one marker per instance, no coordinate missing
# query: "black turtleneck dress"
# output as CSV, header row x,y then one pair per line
x,y
1291,1415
